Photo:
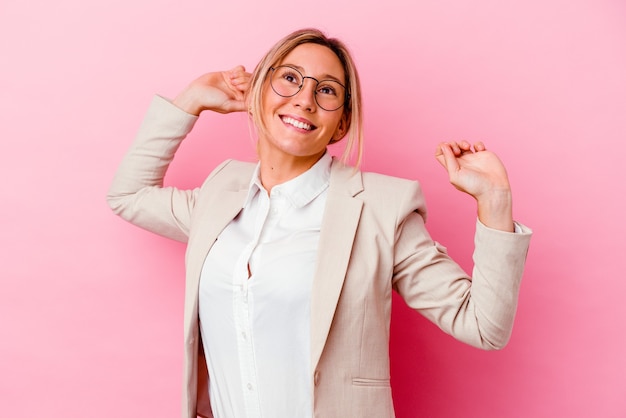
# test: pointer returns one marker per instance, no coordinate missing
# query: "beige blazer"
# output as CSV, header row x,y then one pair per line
x,y
373,241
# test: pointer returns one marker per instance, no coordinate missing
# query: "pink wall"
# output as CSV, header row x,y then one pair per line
x,y
91,308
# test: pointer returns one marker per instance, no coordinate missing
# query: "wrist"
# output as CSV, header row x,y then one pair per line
x,y
186,101
495,210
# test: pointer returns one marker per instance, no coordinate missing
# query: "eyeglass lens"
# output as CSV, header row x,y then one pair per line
x,y
286,81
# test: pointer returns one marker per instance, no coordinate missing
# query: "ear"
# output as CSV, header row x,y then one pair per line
x,y
341,130
248,103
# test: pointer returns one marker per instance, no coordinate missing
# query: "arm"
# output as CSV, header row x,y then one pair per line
x,y
478,309
137,193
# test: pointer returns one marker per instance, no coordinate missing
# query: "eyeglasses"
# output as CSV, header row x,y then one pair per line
x,y
286,81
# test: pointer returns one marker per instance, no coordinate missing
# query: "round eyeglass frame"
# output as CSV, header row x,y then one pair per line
x,y
303,77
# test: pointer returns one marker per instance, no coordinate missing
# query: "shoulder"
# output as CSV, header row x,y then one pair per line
x,y
231,174
393,194
387,184
381,192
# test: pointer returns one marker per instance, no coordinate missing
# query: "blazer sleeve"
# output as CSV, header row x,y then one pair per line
x,y
478,310
137,193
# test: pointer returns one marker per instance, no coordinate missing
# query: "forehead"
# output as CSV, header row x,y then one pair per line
x,y
316,61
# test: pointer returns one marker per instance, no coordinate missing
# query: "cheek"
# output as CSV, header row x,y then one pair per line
x,y
267,106
335,123
270,102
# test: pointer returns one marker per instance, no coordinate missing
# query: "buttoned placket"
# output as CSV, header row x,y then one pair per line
x,y
269,210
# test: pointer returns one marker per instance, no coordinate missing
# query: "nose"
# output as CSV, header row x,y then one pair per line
x,y
306,96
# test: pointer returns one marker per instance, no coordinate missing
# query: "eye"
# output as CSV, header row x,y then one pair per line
x,y
327,89
290,77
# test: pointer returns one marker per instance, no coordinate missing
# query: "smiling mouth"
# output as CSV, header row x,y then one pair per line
x,y
297,124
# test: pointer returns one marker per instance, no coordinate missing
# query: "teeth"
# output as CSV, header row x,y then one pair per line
x,y
297,123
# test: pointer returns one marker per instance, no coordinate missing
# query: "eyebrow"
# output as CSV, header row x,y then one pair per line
x,y
321,78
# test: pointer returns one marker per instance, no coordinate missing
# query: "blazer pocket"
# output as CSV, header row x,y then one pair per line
x,y
371,398
362,381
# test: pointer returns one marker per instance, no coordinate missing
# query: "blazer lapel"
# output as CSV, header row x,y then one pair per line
x,y
216,211
339,225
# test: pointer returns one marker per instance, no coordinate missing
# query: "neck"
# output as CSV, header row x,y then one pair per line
x,y
278,169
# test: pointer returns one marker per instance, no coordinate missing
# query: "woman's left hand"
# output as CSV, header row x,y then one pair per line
x,y
481,174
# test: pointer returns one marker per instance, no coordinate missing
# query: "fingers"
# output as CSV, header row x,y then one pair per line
x,y
479,146
237,69
240,81
446,154
463,147
239,78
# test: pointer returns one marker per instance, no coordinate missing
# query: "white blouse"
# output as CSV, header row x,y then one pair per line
x,y
255,294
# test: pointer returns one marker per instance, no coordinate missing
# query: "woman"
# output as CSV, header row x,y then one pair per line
x,y
291,262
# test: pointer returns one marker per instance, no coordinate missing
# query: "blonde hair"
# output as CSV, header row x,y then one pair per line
x,y
352,109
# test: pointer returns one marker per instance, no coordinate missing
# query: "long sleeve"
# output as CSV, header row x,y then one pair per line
x,y
137,193
479,310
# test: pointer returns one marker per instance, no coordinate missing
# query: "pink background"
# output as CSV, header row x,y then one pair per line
x,y
91,307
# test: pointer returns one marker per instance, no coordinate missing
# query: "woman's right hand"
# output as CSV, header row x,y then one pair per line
x,y
222,92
